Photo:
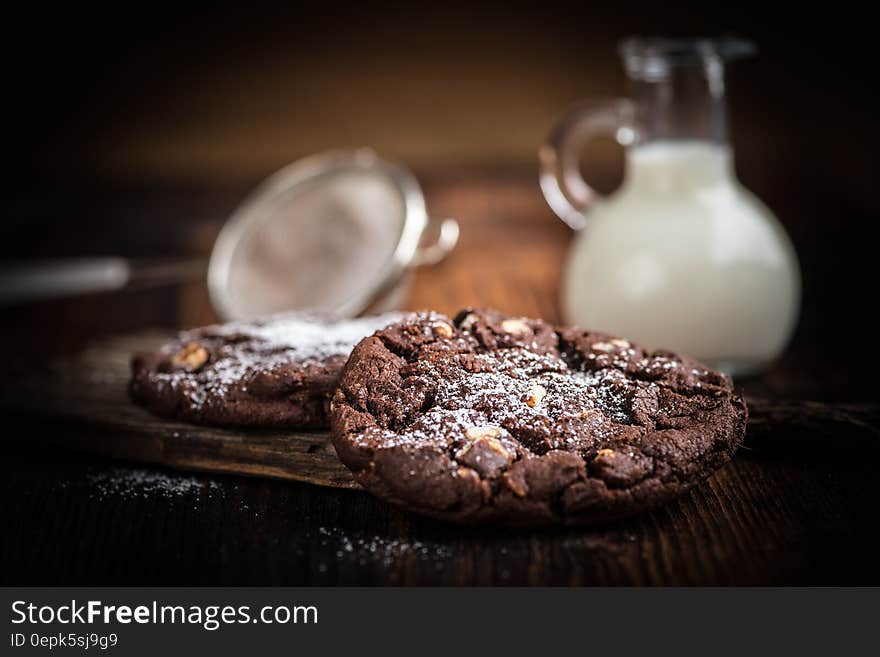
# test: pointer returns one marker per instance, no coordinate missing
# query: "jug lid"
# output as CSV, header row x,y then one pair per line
x,y
651,57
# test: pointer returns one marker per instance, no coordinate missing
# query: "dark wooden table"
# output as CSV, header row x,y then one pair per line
x,y
780,513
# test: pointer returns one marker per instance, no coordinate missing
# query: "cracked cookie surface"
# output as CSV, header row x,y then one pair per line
x,y
494,419
278,372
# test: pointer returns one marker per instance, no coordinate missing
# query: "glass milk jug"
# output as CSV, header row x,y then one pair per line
x,y
681,256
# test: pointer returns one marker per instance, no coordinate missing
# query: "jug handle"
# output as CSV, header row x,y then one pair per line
x,y
565,189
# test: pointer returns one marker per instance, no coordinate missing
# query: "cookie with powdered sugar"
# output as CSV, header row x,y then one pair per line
x,y
279,372
495,419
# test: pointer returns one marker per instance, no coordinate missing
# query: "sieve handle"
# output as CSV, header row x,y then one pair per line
x,y
66,277
447,233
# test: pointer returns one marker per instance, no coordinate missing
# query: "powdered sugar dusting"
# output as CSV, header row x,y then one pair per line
x,y
243,354
498,397
527,392
309,338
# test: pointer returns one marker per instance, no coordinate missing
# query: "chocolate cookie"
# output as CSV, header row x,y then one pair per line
x,y
509,420
279,372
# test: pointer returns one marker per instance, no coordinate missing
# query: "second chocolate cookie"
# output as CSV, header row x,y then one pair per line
x,y
495,419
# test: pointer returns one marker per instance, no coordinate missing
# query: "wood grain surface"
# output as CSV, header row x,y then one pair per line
x,y
799,512
89,394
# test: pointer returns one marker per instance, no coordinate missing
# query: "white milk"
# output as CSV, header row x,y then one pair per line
x,y
683,257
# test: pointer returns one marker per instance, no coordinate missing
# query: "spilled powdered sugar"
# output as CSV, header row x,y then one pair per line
x,y
369,547
140,482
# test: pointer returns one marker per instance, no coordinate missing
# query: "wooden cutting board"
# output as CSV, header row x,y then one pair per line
x,y
86,397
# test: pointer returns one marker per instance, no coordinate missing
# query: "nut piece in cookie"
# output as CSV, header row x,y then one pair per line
x,y
485,454
191,357
515,327
475,433
443,329
536,395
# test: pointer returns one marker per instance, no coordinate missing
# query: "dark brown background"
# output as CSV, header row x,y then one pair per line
x,y
192,107
136,134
